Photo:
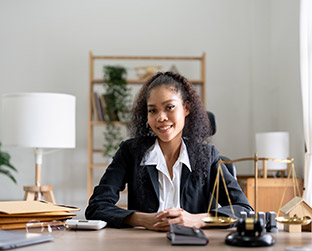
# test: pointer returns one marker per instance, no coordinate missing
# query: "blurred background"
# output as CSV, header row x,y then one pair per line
x,y
252,69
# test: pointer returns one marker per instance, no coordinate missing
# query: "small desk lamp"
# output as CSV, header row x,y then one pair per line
x,y
39,121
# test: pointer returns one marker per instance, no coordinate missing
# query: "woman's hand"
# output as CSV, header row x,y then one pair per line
x,y
178,216
147,220
161,221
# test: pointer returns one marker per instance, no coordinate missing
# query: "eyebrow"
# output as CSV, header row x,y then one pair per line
x,y
166,101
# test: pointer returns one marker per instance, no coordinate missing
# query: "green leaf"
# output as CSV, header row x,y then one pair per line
x,y
7,173
118,103
5,162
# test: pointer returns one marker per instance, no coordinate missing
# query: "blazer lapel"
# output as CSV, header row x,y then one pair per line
x,y
153,174
185,176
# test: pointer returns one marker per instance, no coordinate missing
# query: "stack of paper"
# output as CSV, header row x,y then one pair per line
x,y
15,214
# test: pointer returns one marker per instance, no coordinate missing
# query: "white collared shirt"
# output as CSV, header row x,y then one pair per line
x,y
169,189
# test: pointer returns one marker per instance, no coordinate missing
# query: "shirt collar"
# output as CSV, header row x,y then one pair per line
x,y
152,156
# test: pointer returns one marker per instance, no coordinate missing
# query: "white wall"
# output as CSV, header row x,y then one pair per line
x,y
252,68
258,89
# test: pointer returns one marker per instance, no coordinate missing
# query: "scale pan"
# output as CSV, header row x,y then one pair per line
x,y
220,221
294,220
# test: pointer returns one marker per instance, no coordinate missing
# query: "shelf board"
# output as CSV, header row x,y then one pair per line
x,y
104,123
129,81
97,150
146,58
141,81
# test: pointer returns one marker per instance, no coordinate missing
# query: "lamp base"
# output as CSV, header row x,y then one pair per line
x,y
31,193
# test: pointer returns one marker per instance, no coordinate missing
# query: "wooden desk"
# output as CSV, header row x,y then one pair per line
x,y
145,240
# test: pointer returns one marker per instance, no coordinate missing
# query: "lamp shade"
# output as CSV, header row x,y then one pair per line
x,y
38,120
273,145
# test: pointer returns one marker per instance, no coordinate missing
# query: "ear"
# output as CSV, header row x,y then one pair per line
x,y
186,107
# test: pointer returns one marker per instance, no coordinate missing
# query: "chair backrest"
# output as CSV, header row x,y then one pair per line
x,y
213,125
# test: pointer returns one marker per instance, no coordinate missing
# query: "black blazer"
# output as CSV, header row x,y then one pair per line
x,y
143,190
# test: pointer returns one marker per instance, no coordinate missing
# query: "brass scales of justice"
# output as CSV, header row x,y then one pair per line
x,y
224,221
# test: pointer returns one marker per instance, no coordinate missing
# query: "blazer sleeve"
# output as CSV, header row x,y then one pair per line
x,y
106,194
237,197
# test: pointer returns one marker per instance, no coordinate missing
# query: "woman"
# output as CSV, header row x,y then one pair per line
x,y
168,166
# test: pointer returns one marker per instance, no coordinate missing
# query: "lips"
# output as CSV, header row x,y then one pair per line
x,y
164,128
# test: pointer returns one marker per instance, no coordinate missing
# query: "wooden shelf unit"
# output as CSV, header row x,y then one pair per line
x,y
96,81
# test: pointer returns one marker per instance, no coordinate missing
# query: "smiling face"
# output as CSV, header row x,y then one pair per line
x,y
166,113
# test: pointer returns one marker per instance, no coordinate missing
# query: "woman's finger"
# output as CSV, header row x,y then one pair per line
x,y
167,222
171,213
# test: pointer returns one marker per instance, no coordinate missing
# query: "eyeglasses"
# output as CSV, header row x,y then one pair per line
x,y
35,226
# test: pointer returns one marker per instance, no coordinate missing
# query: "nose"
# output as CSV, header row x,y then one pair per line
x,y
162,116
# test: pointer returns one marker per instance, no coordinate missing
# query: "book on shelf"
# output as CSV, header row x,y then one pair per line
x,y
94,109
98,106
102,108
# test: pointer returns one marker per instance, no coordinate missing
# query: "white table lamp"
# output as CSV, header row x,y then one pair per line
x,y
40,121
273,145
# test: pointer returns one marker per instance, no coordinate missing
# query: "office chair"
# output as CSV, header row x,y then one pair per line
x,y
213,125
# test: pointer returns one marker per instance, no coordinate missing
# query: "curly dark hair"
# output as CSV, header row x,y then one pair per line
x,y
197,127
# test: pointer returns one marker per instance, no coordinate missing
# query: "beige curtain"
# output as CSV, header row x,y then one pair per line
x,y
306,88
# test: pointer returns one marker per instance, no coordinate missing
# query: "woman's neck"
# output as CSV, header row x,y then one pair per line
x,y
171,148
171,151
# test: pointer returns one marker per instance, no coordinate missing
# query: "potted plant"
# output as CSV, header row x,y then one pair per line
x,y
5,166
117,99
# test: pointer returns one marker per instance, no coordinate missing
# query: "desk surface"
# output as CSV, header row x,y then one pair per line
x,y
141,239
